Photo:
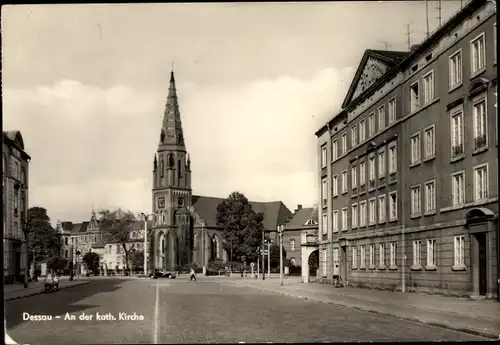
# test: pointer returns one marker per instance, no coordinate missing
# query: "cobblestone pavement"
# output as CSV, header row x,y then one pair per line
x,y
206,311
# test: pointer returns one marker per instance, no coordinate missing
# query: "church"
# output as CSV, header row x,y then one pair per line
x,y
184,229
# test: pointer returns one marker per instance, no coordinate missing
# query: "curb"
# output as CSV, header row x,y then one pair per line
x,y
43,291
481,333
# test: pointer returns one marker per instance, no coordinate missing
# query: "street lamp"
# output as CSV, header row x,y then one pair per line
x,y
145,216
281,229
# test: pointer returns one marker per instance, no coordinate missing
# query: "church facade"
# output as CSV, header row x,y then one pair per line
x,y
184,228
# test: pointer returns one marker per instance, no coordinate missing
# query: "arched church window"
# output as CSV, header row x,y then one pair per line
x,y
162,244
171,160
162,168
162,136
179,169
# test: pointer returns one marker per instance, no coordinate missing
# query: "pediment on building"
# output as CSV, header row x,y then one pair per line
x,y
373,65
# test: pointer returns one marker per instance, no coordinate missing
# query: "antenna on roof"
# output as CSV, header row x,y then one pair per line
x,y
438,8
427,16
408,33
386,44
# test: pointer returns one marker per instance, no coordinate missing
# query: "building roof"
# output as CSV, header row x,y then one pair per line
x,y
405,60
275,212
301,217
15,138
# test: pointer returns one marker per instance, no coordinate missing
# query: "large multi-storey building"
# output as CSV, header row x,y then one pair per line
x,y
15,172
408,168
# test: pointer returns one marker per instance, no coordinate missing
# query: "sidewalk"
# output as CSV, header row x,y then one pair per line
x,y
16,291
465,315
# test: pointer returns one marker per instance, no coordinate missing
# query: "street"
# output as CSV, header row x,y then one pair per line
x,y
205,311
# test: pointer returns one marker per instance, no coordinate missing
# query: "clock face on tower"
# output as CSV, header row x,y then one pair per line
x,y
161,202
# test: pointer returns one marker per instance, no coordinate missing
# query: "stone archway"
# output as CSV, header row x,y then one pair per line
x,y
307,251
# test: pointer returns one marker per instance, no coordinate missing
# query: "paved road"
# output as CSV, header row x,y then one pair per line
x,y
179,311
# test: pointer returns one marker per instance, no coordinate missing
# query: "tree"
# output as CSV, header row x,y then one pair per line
x,y
91,259
275,255
43,240
57,263
137,259
118,225
242,227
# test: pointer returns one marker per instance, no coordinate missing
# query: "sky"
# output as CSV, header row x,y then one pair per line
x,y
87,84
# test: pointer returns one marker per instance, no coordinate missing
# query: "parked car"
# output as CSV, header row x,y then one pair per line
x,y
163,274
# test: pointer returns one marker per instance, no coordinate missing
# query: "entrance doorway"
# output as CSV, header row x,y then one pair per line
x,y
481,241
313,263
343,263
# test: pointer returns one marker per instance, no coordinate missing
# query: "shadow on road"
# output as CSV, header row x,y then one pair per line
x,y
57,303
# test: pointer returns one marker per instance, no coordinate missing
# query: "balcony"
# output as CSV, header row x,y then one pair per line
x,y
372,183
457,150
479,141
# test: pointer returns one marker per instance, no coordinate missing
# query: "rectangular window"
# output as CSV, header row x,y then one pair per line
x,y
430,197
344,218
479,115
362,213
457,132
324,192
354,136
335,185
414,97
393,206
354,215
292,245
431,253
393,159
481,183
372,255
362,173
371,125
428,87
478,56
344,181
323,156
371,171
391,110
415,200
381,118
381,164
324,224
458,188
381,255
335,221
344,143
362,257
354,178
417,250
335,149
415,148
459,251
381,208
393,254
362,131
429,142
372,211
456,69
354,257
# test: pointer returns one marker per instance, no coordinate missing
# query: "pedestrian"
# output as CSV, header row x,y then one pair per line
x,y
193,275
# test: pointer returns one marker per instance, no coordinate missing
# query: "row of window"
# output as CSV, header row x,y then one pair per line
x,y
419,98
367,254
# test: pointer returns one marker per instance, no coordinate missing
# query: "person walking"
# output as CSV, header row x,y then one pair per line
x,y
192,275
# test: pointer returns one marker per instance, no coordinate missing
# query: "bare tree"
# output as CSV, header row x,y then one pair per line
x,y
117,224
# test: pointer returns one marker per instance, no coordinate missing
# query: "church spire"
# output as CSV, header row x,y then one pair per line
x,y
171,131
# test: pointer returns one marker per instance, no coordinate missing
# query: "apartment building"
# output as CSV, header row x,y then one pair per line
x,y
15,178
422,164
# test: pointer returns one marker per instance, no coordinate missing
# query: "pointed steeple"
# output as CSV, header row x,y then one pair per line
x,y
171,130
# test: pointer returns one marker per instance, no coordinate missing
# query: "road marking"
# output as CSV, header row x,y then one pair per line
x,y
156,319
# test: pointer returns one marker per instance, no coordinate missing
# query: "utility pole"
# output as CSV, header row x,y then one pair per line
x,y
269,260
263,261
438,8
427,16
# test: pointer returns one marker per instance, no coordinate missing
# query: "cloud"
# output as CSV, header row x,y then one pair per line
x,y
94,146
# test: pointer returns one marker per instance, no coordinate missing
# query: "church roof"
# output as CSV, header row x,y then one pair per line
x,y
301,217
275,212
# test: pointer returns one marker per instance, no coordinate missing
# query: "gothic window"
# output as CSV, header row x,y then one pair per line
x,y
179,139
180,202
179,172
162,168
171,160
162,245
214,248
162,136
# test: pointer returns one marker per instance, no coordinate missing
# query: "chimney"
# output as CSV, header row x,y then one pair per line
x,y
299,207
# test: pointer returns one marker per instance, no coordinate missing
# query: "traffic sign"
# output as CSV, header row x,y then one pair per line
x,y
252,264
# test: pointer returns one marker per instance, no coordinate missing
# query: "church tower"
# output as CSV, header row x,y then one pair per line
x,y
171,189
